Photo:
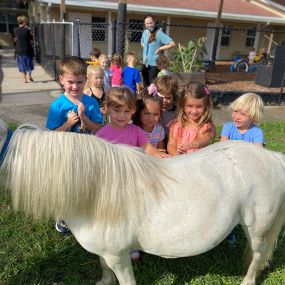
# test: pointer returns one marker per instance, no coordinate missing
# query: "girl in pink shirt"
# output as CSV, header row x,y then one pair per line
x,y
116,69
193,128
121,105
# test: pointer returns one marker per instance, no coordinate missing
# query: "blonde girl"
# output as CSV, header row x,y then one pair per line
x,y
116,69
94,84
194,128
104,63
147,116
247,111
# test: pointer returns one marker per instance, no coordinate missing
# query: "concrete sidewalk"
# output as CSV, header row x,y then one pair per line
x,y
24,102
29,102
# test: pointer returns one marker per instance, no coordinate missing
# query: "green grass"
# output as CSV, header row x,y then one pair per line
x,y
34,253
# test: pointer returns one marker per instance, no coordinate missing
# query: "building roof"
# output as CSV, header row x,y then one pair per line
x,y
239,10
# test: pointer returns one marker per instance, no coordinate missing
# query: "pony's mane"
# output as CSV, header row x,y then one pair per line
x,y
61,174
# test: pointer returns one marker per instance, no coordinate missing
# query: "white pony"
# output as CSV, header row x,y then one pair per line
x,y
114,198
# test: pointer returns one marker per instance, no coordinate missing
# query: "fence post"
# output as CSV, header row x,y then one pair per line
x,y
114,38
78,38
122,12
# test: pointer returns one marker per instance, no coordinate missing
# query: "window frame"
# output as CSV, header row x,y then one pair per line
x,y
99,25
250,37
135,34
226,33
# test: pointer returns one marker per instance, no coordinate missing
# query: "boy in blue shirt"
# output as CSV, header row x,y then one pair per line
x,y
247,112
73,111
131,75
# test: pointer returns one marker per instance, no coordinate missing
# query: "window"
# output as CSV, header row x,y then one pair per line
x,y
135,30
98,29
250,38
8,21
226,36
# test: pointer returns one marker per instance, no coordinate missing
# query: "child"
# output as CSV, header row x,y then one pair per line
x,y
167,86
131,75
194,128
163,63
247,112
116,69
121,105
73,111
103,61
94,56
94,84
147,115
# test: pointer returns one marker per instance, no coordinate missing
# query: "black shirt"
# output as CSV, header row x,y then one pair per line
x,y
23,39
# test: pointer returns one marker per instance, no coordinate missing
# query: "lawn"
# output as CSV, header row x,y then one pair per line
x,y
34,253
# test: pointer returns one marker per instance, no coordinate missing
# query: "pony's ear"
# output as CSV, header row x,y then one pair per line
x,y
3,129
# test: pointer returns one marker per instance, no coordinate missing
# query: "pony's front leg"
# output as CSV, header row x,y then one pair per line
x,y
108,277
121,266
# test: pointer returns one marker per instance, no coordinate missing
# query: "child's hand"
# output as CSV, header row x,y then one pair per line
x,y
72,119
81,110
181,148
161,154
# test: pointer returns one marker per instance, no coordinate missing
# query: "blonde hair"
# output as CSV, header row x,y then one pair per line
x,y
251,104
102,56
120,97
22,20
91,69
196,91
73,65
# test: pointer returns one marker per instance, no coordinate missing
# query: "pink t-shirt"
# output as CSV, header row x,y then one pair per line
x,y
117,75
130,135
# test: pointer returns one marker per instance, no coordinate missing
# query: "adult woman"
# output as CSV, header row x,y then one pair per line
x,y
154,42
24,50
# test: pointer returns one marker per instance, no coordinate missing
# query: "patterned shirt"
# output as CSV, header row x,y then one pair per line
x,y
156,135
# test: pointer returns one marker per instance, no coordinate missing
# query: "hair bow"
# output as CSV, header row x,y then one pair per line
x,y
207,91
152,90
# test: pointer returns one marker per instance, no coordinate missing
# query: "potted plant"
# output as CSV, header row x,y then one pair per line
x,y
188,62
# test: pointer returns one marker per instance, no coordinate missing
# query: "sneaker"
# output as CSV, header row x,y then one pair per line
x,y
232,240
61,227
135,255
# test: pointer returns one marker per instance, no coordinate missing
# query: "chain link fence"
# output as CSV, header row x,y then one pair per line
x,y
55,40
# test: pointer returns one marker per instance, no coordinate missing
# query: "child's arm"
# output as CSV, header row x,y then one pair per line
x,y
151,150
223,138
203,140
172,147
172,141
138,85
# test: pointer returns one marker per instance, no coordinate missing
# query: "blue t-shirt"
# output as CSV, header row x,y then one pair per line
x,y
131,76
254,134
61,106
161,39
